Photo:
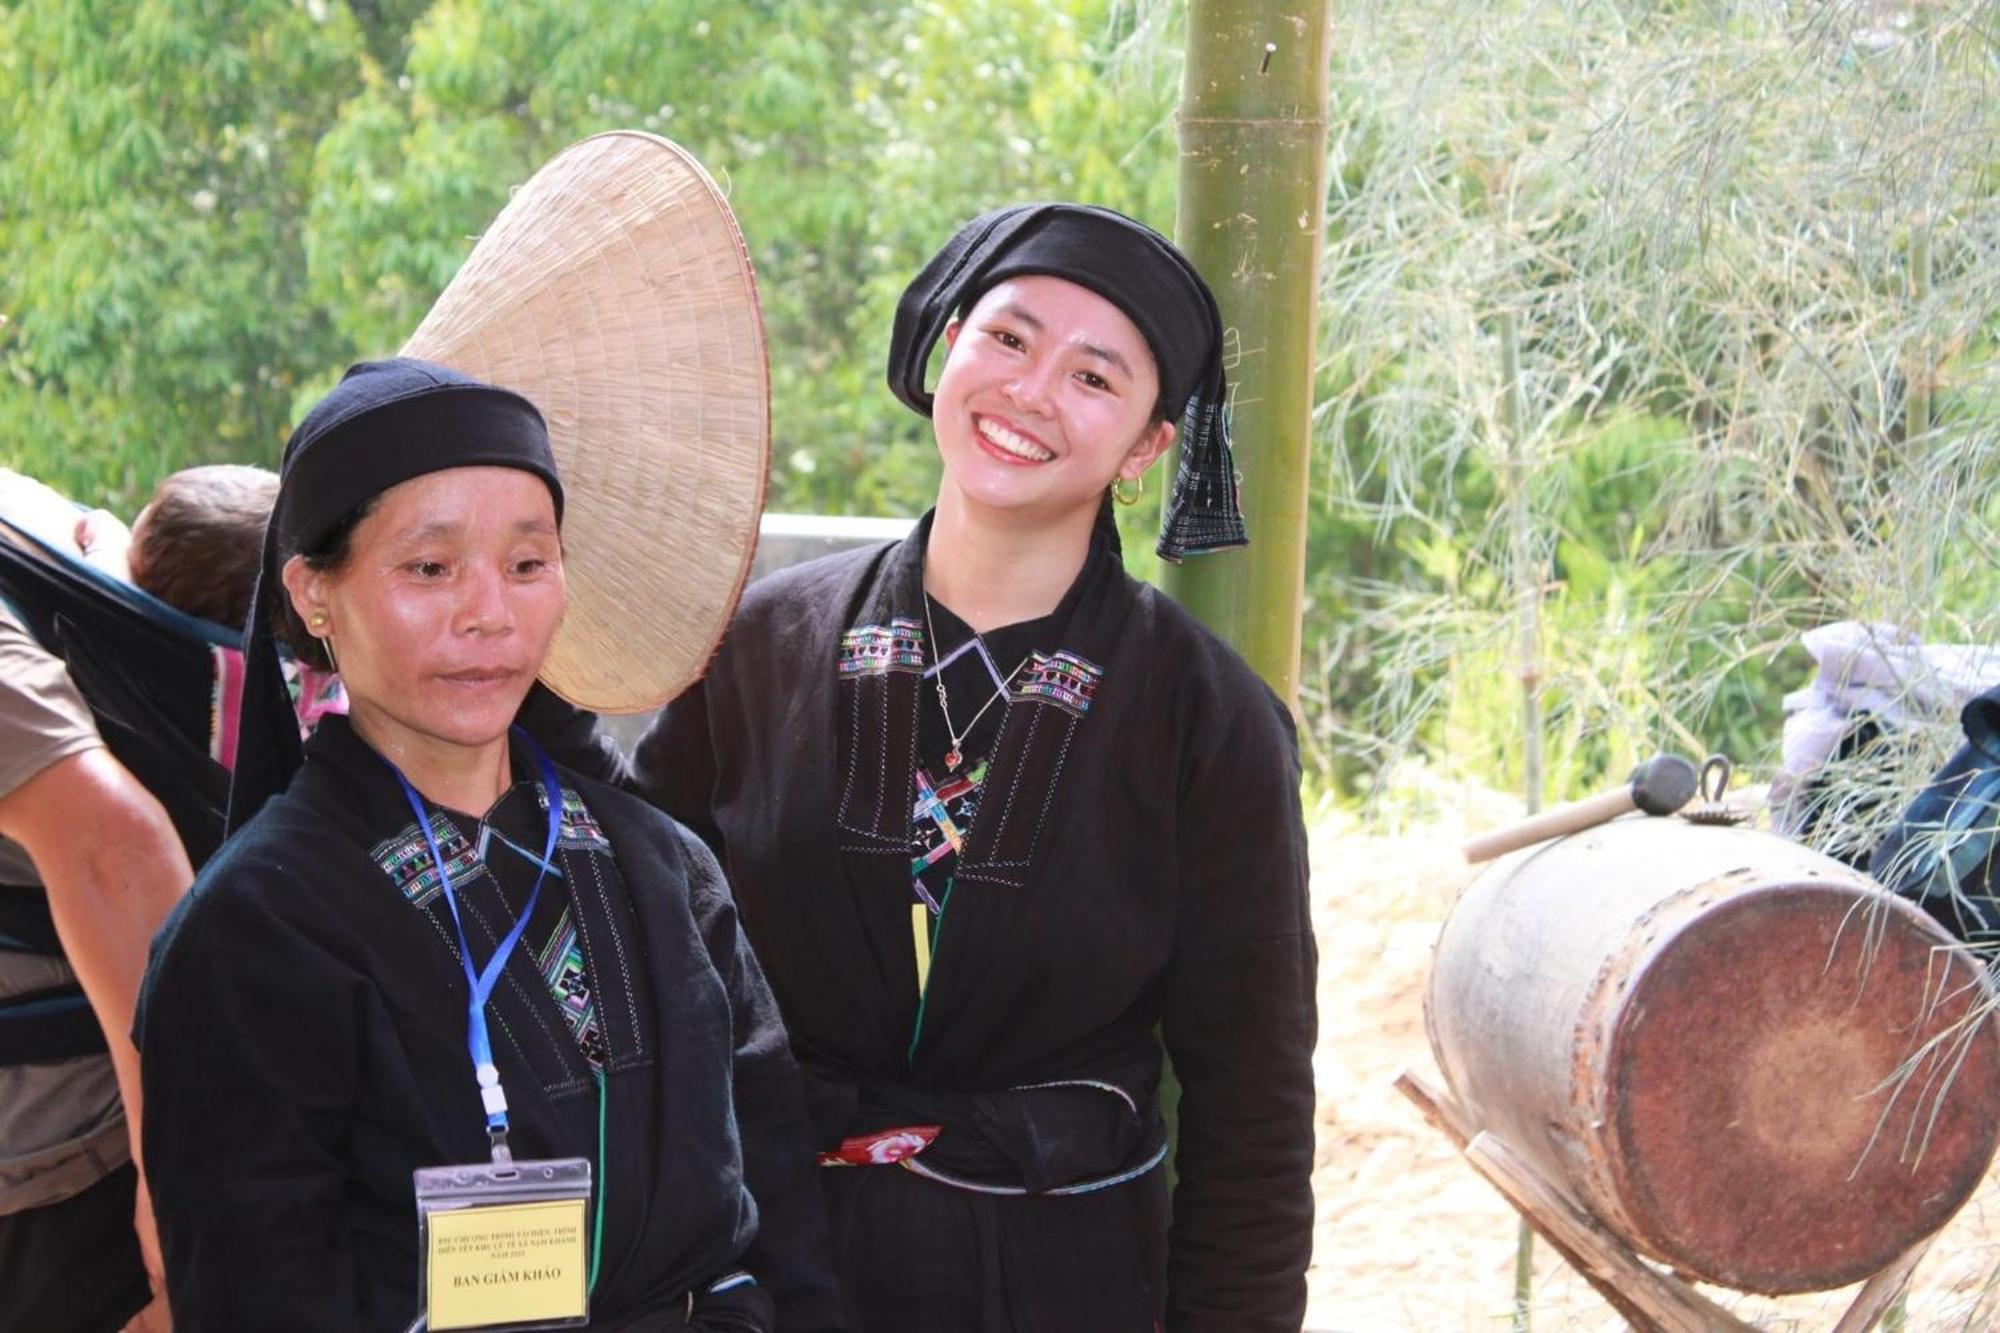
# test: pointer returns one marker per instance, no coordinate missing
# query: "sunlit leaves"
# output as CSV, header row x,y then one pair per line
x,y
208,210
154,173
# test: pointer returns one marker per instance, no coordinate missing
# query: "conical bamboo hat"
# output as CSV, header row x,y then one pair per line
x,y
615,292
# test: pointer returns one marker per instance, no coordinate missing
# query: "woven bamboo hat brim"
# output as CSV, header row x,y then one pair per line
x,y
614,291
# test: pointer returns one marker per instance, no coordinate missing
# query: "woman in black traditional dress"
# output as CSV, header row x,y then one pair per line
x,y
1001,821
312,1029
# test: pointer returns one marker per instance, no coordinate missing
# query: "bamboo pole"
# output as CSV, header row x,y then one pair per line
x,y
1527,580
1252,193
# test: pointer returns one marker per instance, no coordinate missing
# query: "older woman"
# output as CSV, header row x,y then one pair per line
x,y
428,948
1001,821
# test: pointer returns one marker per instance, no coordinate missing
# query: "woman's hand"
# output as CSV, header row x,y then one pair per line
x,y
105,541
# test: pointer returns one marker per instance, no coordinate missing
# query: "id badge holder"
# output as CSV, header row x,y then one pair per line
x,y
504,1246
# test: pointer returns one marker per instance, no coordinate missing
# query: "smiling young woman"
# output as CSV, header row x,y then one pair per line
x,y
425,946
1002,822
1048,396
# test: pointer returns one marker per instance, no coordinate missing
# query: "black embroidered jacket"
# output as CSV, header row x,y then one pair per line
x,y
302,1035
1136,871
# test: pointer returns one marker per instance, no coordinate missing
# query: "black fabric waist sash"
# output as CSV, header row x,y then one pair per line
x,y
1062,1136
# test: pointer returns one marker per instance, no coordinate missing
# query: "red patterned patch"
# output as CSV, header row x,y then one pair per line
x,y
883,1148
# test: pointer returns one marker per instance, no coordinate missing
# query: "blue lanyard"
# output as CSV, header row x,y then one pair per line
x,y
481,981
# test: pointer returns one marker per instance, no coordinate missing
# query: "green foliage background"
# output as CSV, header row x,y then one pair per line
x,y
1746,246
210,210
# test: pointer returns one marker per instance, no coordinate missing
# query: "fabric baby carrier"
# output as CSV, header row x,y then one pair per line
x,y
148,672
1942,852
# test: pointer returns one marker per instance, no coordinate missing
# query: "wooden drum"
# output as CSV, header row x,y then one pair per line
x,y
1742,1057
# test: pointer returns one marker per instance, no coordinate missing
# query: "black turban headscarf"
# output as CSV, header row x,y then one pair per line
x,y
385,423
1139,271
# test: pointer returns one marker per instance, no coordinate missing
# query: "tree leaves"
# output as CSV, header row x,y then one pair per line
x,y
157,157
209,210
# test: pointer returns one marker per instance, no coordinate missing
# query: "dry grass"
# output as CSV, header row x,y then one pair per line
x,y
1760,230
1408,1237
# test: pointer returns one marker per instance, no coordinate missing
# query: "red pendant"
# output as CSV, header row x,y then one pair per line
x,y
952,759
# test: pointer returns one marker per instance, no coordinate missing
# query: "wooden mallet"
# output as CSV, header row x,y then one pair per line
x,y
1660,786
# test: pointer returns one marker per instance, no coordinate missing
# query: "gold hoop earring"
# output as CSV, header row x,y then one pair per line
x,y
1133,496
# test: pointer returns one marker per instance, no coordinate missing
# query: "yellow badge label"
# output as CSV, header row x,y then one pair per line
x,y
507,1264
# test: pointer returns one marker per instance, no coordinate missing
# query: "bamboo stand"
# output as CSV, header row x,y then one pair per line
x,y
1650,1300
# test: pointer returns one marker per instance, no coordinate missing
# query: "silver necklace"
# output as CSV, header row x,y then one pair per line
x,y
956,754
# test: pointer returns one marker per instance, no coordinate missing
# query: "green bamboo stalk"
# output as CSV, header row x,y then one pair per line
x,y
1527,580
1251,211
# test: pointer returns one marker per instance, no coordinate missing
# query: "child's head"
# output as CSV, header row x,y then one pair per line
x,y
195,545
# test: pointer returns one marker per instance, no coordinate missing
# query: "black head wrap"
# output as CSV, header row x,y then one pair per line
x,y
1139,271
385,423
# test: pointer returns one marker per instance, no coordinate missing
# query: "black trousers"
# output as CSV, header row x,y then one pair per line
x,y
74,1266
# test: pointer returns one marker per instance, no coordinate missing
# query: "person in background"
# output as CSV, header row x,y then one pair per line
x,y
195,544
89,867
196,547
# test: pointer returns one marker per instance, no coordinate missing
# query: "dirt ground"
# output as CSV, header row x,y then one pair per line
x,y
1407,1237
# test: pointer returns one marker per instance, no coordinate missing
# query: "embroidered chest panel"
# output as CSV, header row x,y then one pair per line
x,y
888,806
871,650
563,970
406,858
946,807
1061,678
